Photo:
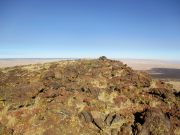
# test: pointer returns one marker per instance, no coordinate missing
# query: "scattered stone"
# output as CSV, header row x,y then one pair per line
x,y
109,119
55,85
87,116
49,75
154,122
88,97
99,123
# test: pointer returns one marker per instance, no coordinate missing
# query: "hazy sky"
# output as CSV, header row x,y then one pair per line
x,y
90,28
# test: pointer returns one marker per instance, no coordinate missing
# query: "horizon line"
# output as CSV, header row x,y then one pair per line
x,y
76,58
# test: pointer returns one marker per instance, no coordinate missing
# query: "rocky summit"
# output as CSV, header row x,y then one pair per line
x,y
86,97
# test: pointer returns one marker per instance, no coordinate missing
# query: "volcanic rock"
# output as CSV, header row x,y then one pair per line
x,y
86,97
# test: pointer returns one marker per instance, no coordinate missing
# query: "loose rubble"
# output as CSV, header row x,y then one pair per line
x,y
86,97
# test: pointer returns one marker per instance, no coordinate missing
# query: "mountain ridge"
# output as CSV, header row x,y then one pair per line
x,y
93,97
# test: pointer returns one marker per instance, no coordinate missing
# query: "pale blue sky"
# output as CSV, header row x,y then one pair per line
x,y
90,28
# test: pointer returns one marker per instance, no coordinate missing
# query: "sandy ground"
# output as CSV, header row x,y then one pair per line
x,y
139,64
17,62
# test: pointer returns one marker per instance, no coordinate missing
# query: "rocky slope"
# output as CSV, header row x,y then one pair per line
x,y
86,97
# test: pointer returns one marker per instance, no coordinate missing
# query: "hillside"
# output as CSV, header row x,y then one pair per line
x,y
86,97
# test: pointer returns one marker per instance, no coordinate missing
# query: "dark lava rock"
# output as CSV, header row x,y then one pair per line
x,y
87,116
102,58
155,122
86,97
49,75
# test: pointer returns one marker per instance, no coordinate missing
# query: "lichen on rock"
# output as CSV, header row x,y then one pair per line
x,y
85,97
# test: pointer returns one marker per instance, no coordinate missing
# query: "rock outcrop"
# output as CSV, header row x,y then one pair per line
x,y
86,97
